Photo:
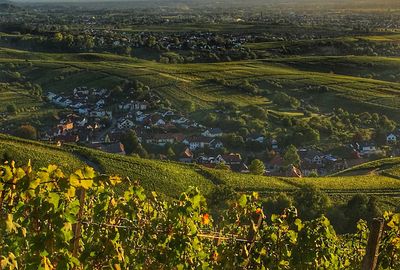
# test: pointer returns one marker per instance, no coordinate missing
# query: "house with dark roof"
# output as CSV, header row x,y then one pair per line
x,y
230,159
113,148
276,163
164,138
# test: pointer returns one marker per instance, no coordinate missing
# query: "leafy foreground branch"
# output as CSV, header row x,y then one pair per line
x,y
85,221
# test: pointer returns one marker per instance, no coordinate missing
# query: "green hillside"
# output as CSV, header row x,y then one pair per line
x,y
201,83
170,178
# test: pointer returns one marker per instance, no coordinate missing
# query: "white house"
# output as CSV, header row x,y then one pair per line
x,y
100,103
160,122
51,96
81,91
168,113
101,114
216,144
180,121
368,147
141,118
212,133
256,138
125,124
391,138
83,122
197,142
274,144
84,111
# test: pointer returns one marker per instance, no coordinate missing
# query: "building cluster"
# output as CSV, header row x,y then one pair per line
x,y
99,125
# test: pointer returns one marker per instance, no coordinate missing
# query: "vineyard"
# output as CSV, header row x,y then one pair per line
x,y
172,178
21,151
51,220
199,82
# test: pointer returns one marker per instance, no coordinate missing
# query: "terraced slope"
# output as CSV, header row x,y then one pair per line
x,y
170,178
199,82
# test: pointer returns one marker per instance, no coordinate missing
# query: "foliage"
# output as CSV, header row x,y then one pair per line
x,y
11,108
26,132
132,144
311,202
55,221
291,157
257,167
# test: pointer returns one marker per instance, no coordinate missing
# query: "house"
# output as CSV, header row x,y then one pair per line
x,y
115,136
256,138
180,121
81,91
216,144
276,163
113,148
391,138
186,156
234,161
168,113
311,156
197,142
77,105
100,103
163,139
51,96
125,124
274,144
134,106
229,159
101,113
202,159
83,111
99,93
82,122
141,118
367,147
160,122
65,127
212,133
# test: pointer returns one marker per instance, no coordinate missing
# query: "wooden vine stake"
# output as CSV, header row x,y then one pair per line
x,y
251,238
78,229
370,260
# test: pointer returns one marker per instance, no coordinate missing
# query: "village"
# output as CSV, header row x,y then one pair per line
x,y
96,124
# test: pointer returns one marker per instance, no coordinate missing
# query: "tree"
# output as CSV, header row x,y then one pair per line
x,y
257,167
233,141
27,132
258,112
170,153
291,156
58,37
188,106
11,108
132,144
277,204
311,202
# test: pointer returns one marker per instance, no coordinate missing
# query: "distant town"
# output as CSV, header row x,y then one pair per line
x,y
92,124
